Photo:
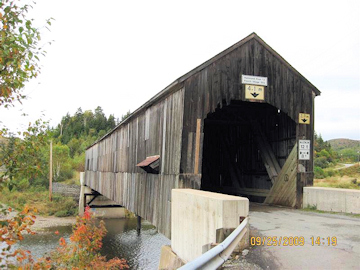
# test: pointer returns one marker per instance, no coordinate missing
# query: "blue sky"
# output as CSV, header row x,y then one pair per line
x,y
118,54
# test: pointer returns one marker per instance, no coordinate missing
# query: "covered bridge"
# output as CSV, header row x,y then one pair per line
x,y
241,123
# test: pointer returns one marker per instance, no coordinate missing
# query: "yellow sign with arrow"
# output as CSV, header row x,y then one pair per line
x,y
304,118
254,92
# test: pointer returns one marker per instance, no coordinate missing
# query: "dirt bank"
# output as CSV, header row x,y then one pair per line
x,y
42,222
51,221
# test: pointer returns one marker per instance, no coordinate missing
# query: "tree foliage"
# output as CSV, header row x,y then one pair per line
x,y
11,231
21,156
124,116
324,156
19,50
82,252
83,126
25,157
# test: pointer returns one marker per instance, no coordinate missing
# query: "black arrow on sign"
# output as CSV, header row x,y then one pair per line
x,y
254,95
304,120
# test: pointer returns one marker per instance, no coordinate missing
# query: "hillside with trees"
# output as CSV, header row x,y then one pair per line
x,y
73,135
348,150
329,157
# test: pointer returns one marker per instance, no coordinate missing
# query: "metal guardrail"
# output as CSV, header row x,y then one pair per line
x,y
216,256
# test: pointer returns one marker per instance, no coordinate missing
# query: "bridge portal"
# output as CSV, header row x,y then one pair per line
x,y
245,146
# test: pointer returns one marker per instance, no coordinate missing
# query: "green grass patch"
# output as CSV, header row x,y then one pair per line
x,y
313,209
339,182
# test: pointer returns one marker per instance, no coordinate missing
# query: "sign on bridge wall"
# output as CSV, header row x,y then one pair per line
x,y
304,149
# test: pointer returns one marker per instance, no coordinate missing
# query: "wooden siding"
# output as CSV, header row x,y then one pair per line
x,y
218,84
111,163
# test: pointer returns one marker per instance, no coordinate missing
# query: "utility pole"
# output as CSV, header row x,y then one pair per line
x,y
50,173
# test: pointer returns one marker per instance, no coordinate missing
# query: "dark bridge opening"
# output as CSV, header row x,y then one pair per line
x,y
245,146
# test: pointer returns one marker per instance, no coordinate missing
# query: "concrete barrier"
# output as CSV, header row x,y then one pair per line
x,y
197,217
332,199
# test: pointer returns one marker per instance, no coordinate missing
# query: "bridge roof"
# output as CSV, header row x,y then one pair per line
x,y
177,84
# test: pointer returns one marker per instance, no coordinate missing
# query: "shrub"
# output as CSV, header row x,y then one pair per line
x,y
78,163
321,162
331,173
23,184
62,213
38,189
21,200
11,231
319,173
82,252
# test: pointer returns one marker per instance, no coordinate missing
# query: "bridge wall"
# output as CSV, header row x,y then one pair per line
x,y
111,163
332,199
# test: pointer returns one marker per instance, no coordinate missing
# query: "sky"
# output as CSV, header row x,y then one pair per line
x,y
119,54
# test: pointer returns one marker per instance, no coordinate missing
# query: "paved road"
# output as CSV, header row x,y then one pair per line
x,y
346,165
266,221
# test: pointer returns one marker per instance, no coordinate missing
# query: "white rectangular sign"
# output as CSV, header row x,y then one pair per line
x,y
304,149
248,79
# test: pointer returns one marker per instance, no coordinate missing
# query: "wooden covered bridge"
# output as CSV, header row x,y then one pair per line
x,y
241,123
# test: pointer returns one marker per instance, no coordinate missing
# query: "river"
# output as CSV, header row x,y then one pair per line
x,y
141,251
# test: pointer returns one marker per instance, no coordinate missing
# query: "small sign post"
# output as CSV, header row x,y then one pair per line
x,y
304,149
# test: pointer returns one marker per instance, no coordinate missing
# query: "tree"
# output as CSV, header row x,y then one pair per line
x,y
111,122
61,161
100,121
21,156
123,117
19,50
11,231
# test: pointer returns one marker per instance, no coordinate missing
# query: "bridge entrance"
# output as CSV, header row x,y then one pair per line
x,y
244,148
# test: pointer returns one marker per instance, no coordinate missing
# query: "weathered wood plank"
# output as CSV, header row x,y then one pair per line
x,y
283,192
197,146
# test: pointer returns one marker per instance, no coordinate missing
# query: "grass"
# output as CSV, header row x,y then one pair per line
x,y
338,182
74,180
39,198
345,178
313,208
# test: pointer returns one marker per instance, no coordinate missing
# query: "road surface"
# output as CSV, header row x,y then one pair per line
x,y
302,251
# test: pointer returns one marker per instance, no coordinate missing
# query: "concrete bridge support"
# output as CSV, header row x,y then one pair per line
x,y
100,205
200,220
